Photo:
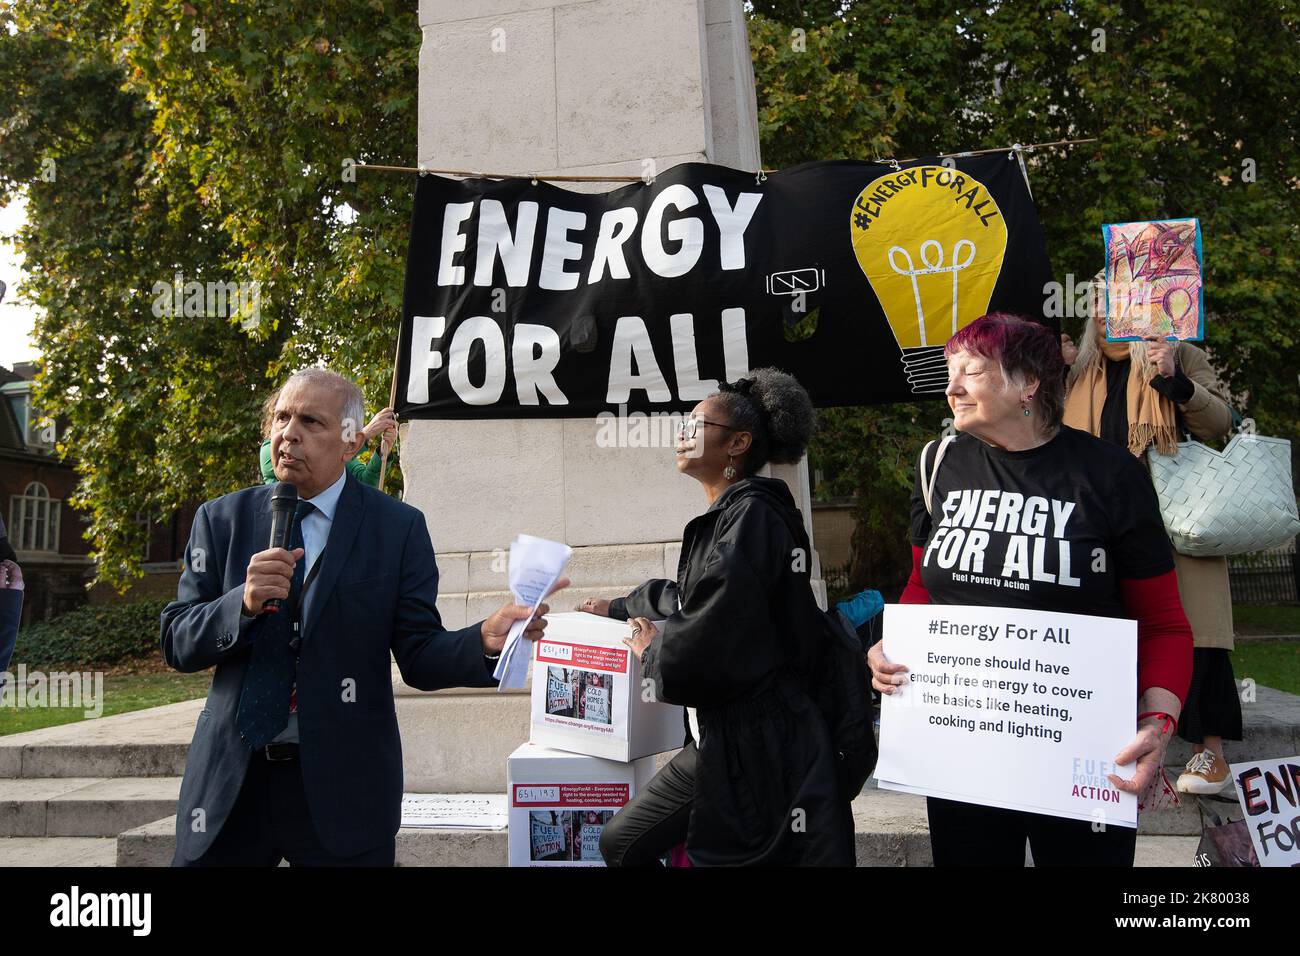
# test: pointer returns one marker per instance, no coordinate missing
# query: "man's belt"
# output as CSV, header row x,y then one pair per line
x,y
286,751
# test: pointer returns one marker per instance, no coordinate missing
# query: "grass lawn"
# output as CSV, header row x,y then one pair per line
x,y
127,688
1266,619
1270,663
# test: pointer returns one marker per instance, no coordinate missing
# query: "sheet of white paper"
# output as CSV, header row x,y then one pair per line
x,y
1011,708
535,565
480,811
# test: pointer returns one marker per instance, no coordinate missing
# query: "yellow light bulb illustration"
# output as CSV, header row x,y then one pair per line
x,y
931,241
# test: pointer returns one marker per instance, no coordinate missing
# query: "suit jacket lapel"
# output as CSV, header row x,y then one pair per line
x,y
262,525
347,522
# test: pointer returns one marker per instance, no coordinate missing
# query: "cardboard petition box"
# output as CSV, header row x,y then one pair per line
x,y
560,802
588,696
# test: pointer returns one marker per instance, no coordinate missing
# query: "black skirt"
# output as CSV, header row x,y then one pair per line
x,y
1213,703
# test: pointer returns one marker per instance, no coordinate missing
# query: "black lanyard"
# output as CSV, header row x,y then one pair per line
x,y
295,641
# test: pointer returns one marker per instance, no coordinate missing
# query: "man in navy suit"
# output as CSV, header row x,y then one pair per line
x,y
297,755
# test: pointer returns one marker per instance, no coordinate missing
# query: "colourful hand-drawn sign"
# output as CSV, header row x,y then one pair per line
x,y
1153,280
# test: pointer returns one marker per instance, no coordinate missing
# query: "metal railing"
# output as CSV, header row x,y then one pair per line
x,y
1265,577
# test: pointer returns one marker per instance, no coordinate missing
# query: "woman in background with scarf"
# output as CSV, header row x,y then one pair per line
x,y
1143,394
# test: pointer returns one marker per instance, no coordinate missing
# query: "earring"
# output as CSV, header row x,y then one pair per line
x,y
730,471
1025,404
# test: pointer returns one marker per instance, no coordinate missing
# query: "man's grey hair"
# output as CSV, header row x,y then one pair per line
x,y
353,402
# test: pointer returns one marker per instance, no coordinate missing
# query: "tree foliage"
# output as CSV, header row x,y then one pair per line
x,y
203,141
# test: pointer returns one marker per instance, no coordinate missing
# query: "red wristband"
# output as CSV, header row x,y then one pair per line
x,y
1169,719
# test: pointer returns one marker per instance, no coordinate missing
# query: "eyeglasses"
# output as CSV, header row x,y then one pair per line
x,y
688,427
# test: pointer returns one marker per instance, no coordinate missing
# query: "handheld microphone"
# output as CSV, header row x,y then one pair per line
x,y
284,502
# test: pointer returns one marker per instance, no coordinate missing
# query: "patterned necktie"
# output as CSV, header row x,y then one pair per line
x,y
268,681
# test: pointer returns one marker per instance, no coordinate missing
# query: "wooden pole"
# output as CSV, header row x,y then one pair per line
x,y
392,403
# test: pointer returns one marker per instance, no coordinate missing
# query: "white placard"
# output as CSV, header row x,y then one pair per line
x,y
548,839
1269,791
596,704
589,841
1011,708
559,692
486,811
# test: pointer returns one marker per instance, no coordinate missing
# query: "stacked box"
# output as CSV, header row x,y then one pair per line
x,y
596,727
560,803
589,696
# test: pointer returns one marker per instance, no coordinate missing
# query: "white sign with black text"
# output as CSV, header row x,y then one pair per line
x,y
1269,791
1011,708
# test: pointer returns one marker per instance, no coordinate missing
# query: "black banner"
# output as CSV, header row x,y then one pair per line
x,y
533,301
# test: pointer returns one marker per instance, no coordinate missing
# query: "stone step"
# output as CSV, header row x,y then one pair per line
x,y
82,807
58,851
1183,820
453,741
1165,851
591,565
1270,728
458,741
144,743
473,584
891,831
77,807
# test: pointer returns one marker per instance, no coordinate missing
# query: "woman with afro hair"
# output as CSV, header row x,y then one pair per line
x,y
738,643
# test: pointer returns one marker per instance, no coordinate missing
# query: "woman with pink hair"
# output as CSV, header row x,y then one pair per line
x,y
1111,559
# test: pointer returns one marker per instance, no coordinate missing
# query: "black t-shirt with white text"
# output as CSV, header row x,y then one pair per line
x,y
1051,528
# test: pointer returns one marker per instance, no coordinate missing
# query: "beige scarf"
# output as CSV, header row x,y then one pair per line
x,y
1151,416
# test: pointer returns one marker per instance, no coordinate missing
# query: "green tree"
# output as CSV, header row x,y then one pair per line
x,y
156,137
159,139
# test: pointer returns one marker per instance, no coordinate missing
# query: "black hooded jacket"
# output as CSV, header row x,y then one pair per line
x,y
741,642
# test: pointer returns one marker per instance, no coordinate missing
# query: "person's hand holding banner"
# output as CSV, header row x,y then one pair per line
x,y
1161,354
384,421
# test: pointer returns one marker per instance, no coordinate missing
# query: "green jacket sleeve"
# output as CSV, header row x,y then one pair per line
x,y
368,472
268,471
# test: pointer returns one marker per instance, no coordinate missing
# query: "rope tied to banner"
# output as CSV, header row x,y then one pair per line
x,y
1016,150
